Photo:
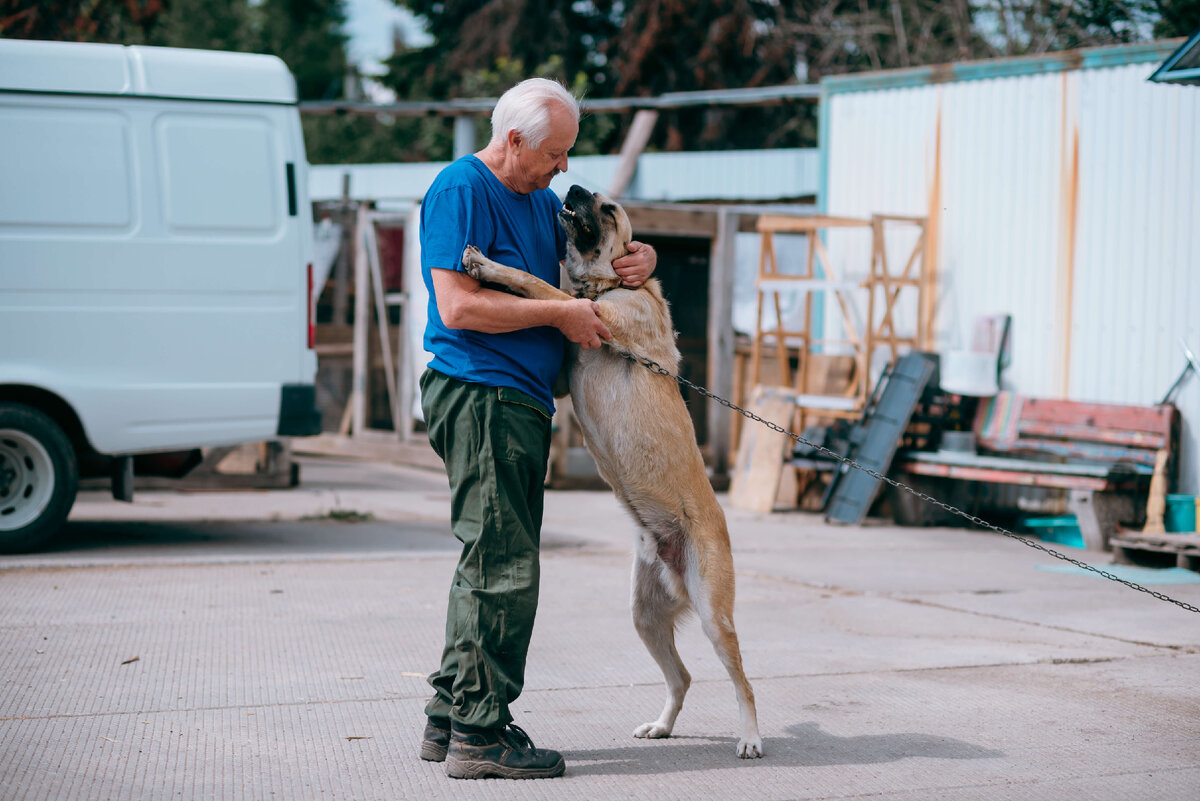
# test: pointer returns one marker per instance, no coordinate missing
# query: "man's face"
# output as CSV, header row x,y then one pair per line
x,y
536,167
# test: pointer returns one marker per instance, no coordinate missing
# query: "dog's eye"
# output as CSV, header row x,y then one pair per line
x,y
609,209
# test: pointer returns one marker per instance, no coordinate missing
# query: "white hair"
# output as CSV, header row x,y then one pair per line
x,y
525,108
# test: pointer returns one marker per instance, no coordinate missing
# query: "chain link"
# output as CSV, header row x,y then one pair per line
x,y
655,367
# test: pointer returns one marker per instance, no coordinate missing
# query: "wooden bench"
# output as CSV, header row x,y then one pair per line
x,y
1104,455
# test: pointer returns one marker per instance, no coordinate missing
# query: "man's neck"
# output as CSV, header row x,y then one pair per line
x,y
495,159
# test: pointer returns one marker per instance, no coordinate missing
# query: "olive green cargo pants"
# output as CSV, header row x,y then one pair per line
x,y
495,443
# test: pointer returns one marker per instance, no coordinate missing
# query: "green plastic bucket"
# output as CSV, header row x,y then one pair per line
x,y
1182,513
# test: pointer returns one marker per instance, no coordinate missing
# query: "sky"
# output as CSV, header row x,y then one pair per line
x,y
369,24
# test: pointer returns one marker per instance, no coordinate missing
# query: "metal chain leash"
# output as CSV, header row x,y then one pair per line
x,y
655,367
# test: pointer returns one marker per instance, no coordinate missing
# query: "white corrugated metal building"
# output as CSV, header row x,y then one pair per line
x,y
1066,192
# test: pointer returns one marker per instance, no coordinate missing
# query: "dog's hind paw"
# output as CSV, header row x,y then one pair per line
x,y
749,748
651,731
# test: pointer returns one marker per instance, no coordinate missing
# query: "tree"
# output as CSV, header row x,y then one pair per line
x,y
606,48
79,20
1177,18
688,45
838,36
482,47
471,37
306,34
1041,26
205,25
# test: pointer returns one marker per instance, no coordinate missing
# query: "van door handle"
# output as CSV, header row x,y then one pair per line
x,y
291,186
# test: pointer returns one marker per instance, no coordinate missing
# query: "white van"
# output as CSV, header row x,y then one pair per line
x,y
155,266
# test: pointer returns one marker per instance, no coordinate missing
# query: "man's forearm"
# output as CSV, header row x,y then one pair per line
x,y
465,304
490,311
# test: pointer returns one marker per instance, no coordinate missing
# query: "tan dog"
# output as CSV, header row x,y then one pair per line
x,y
638,430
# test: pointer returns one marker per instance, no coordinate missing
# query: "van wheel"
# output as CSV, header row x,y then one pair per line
x,y
38,478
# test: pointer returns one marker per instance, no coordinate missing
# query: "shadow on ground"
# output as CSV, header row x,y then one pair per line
x,y
807,747
243,539
323,536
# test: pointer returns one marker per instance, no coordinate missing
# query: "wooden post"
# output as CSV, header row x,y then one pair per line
x,y
371,245
341,270
464,135
631,149
722,263
362,290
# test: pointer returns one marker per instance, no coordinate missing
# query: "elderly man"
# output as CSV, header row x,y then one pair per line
x,y
487,398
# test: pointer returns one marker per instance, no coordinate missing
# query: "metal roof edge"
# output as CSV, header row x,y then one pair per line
x,y
1166,72
412,179
1086,58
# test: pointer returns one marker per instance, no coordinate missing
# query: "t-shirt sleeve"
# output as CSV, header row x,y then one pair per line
x,y
451,220
560,241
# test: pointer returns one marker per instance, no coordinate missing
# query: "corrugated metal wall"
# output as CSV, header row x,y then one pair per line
x,y
1095,251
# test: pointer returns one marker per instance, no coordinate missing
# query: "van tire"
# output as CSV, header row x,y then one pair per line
x,y
39,478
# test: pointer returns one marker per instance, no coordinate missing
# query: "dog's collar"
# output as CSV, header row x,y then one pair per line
x,y
594,289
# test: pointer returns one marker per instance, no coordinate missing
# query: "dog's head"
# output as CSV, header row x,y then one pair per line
x,y
598,231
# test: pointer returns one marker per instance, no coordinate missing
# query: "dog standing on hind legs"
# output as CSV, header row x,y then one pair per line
x,y
638,430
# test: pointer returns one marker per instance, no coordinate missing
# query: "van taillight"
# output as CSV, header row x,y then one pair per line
x,y
308,314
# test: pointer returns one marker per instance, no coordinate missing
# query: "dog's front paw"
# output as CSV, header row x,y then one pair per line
x,y
473,261
651,731
749,748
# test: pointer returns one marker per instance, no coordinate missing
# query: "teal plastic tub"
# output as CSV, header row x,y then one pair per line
x,y
1059,530
1181,513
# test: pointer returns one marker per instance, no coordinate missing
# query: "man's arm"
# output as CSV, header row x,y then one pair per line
x,y
463,302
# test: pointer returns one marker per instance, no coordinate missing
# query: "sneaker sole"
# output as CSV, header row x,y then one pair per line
x,y
432,752
466,769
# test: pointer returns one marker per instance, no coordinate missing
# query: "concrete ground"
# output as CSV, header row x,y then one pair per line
x,y
253,645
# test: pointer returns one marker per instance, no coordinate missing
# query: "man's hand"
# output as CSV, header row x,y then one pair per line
x,y
636,265
581,323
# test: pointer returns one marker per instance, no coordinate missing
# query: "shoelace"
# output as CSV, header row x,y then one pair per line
x,y
518,739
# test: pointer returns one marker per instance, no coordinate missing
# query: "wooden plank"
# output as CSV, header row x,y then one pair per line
x,y
671,222
964,459
1112,436
1177,541
1100,415
1084,451
992,476
800,283
754,482
783,223
1138,548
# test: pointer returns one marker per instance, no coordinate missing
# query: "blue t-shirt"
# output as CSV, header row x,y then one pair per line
x,y
467,204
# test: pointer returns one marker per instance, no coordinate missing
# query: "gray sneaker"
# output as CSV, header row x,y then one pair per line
x,y
499,754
